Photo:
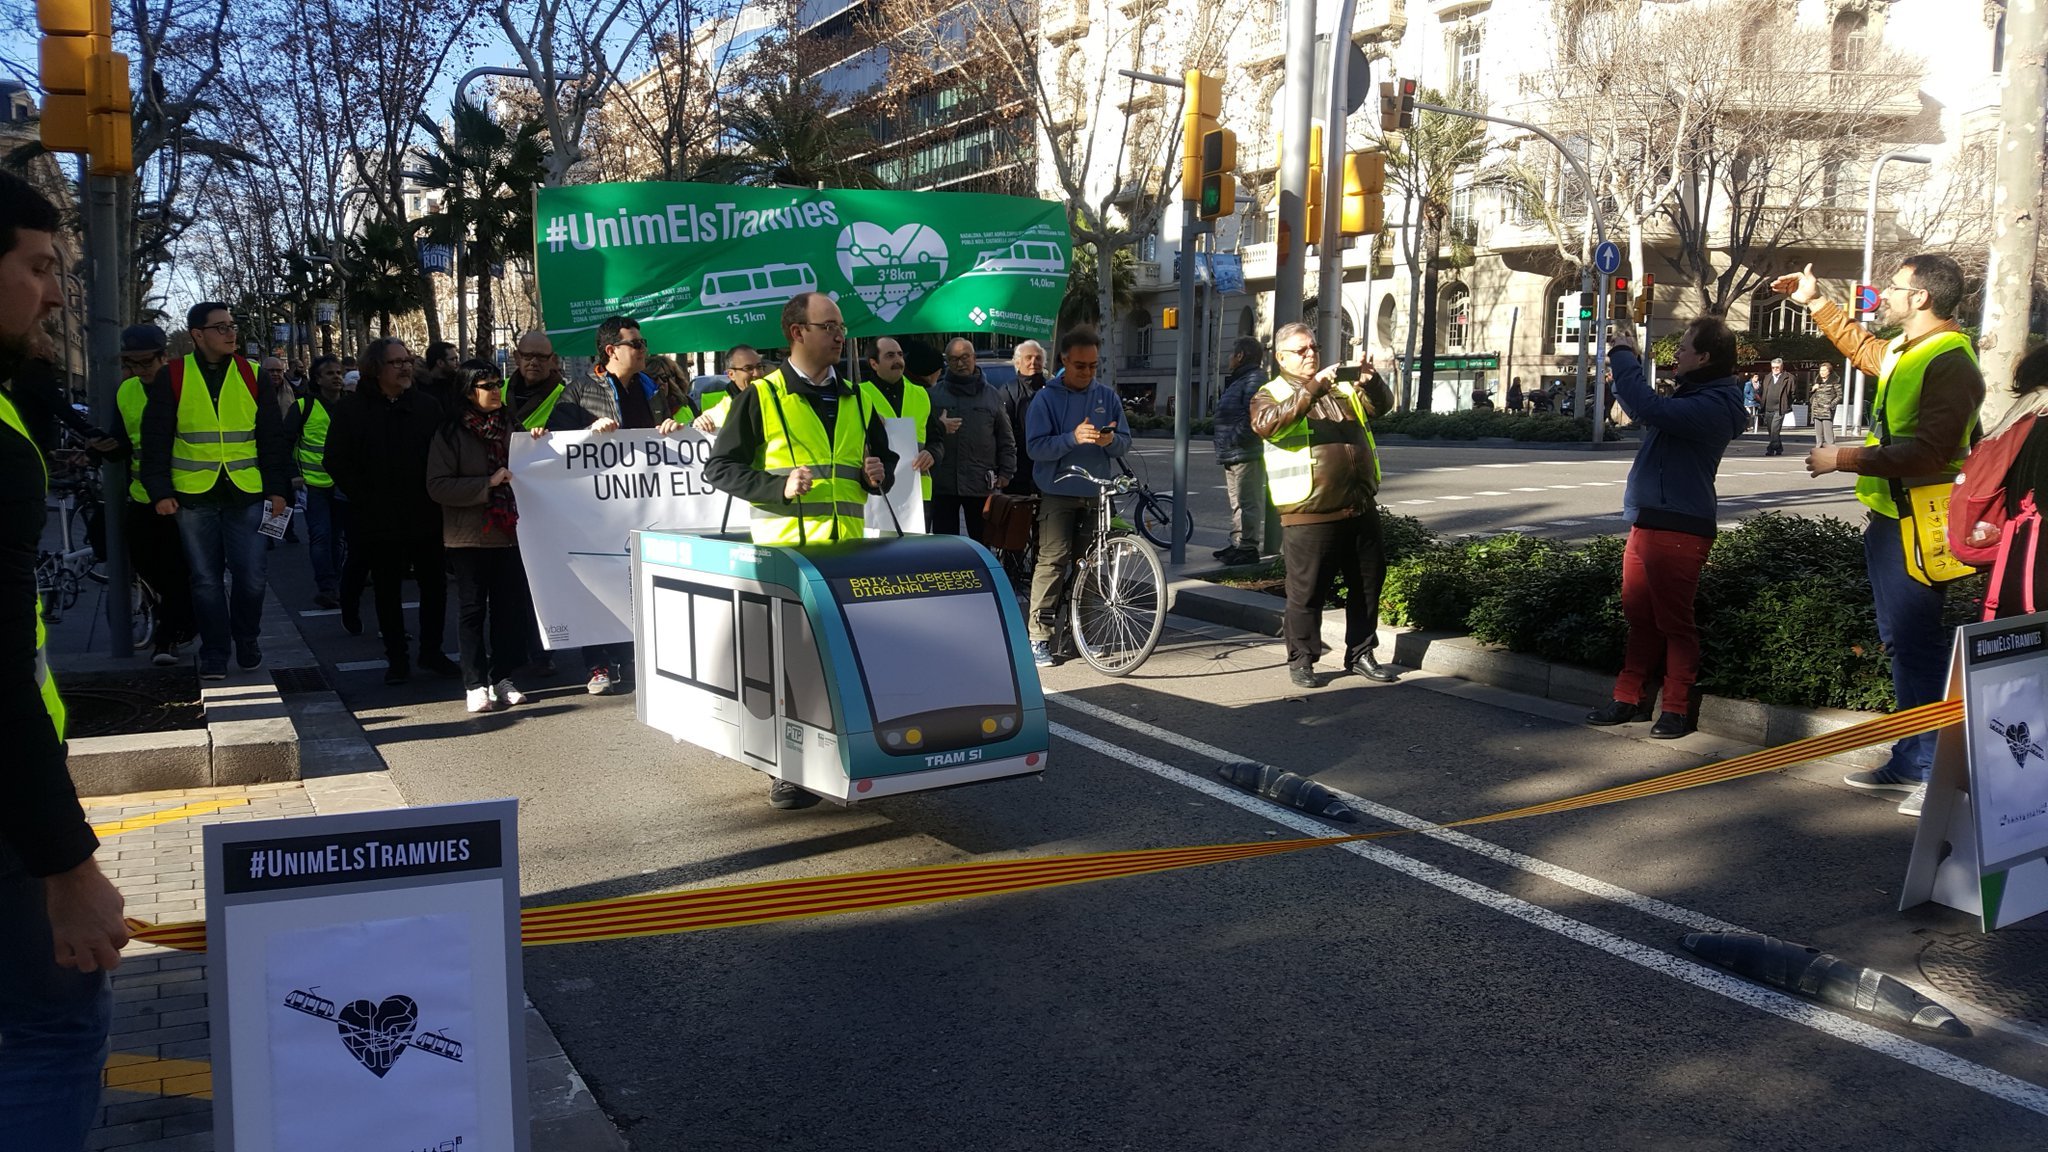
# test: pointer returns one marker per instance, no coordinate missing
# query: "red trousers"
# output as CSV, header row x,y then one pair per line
x,y
1660,572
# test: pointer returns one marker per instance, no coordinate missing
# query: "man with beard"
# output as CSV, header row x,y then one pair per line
x,y
978,451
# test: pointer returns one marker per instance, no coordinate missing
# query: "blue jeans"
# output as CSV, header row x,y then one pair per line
x,y
1909,625
323,538
53,1026
221,541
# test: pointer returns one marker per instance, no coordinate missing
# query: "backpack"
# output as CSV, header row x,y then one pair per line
x,y
1979,496
2022,544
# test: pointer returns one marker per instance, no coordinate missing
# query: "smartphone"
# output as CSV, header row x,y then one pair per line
x,y
1349,372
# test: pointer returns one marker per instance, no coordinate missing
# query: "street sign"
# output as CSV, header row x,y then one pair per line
x,y
1607,257
1866,298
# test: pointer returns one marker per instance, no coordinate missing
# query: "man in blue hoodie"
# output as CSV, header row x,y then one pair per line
x,y
1074,422
1671,508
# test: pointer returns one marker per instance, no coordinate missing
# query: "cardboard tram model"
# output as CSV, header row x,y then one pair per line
x,y
855,670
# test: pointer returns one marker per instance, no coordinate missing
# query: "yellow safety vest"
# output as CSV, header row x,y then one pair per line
x,y
209,441
312,449
1898,405
538,418
52,703
917,407
835,507
131,400
1290,461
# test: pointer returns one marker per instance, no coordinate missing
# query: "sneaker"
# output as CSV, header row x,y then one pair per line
x,y
325,600
398,671
479,700
601,682
439,664
166,653
1617,712
248,654
352,619
505,692
1041,653
1882,780
784,795
1914,802
1670,726
1301,677
213,669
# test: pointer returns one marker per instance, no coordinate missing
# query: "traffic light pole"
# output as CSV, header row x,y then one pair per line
x,y
1297,103
1330,279
1585,271
103,365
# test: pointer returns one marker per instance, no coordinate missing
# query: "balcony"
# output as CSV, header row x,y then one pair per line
x,y
1376,19
1148,275
1817,95
1062,20
1826,228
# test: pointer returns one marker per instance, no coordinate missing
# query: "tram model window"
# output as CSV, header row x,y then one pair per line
x,y
896,639
805,697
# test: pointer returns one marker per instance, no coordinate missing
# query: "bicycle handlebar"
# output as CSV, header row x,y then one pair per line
x,y
1123,483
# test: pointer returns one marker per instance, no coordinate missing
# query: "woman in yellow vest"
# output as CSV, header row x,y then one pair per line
x,y
326,515
1921,420
153,544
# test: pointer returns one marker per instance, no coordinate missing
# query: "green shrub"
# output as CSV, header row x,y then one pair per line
x,y
1563,602
1429,589
1402,536
1471,424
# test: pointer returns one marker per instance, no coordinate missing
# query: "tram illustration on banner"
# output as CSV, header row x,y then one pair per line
x,y
856,670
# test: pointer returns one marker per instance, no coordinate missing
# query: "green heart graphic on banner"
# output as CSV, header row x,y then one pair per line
x,y
891,270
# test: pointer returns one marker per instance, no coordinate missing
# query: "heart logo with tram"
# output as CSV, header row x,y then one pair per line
x,y
377,1033
890,271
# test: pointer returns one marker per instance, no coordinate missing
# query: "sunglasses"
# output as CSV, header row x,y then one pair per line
x,y
637,345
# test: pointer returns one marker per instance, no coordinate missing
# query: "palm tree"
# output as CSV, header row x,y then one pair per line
x,y
488,173
378,277
784,132
1082,302
1425,162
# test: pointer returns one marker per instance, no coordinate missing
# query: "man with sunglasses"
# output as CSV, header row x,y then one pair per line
x,y
1922,417
537,384
214,455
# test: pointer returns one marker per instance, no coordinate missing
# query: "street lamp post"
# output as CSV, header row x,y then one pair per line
x,y
1854,417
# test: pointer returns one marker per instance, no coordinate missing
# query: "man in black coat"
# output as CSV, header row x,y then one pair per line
x,y
1775,394
377,453
979,453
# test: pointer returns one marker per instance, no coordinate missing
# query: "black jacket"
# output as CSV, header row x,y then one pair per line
x,y
1236,443
1017,397
41,822
985,443
377,454
160,427
730,467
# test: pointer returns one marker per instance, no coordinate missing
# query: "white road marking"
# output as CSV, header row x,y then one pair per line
x,y
1500,465
312,612
1989,1081
1566,523
359,666
1516,528
1415,501
1453,496
1560,487
1489,493
1532,489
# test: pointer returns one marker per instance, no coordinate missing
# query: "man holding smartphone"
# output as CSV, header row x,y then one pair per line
x,y
1073,422
1322,473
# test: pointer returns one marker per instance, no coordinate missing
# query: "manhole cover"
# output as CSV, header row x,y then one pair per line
x,y
2006,972
294,680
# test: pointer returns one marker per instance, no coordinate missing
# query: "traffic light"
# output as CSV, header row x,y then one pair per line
x,y
1588,306
1312,197
1621,287
1365,182
1642,312
1219,185
87,106
1204,104
1169,318
1397,105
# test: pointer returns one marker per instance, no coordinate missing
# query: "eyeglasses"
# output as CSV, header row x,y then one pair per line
x,y
405,363
1903,288
1301,350
637,345
749,369
490,382
535,357
835,327
225,327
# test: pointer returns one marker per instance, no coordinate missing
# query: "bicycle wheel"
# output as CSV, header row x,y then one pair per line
x,y
1154,511
1118,605
141,615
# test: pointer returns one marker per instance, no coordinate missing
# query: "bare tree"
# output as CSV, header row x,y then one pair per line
x,y
564,46
659,123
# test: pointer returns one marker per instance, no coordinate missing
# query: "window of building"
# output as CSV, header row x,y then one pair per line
x,y
1849,40
1998,44
1464,228
1148,248
1564,317
1141,342
1465,46
1457,318
1779,316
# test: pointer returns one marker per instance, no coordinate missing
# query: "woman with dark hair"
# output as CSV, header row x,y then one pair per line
x,y
2020,570
1240,452
467,475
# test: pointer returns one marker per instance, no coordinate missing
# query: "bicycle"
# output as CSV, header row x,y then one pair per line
x,y
61,575
1152,512
1114,597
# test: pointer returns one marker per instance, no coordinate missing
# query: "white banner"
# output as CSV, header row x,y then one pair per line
x,y
582,495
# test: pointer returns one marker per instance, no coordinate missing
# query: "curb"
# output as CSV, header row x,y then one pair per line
x,y
1453,654
249,737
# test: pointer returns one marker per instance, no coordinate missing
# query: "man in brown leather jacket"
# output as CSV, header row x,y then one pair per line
x,y
1322,472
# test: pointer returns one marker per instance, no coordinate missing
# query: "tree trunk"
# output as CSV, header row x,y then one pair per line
x,y
2016,202
1425,356
486,314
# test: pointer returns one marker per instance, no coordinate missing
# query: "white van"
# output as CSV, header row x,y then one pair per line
x,y
769,282
1024,256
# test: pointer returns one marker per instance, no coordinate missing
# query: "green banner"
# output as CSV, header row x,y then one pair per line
x,y
707,266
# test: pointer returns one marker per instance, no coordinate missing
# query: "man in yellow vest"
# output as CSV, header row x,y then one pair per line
x,y
1322,473
805,449
60,917
153,543
305,430
537,383
742,368
213,450
1921,420
898,396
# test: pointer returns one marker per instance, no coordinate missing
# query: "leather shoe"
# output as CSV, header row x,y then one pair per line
x,y
1618,712
1670,726
1301,677
1368,666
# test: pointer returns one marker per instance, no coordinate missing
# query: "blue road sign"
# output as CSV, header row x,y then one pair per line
x,y
1866,298
1607,257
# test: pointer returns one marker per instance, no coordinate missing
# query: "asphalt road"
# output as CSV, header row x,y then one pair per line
x,y
1564,493
1522,989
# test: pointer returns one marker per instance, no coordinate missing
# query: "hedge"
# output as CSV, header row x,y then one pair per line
x,y
1549,427
1784,607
